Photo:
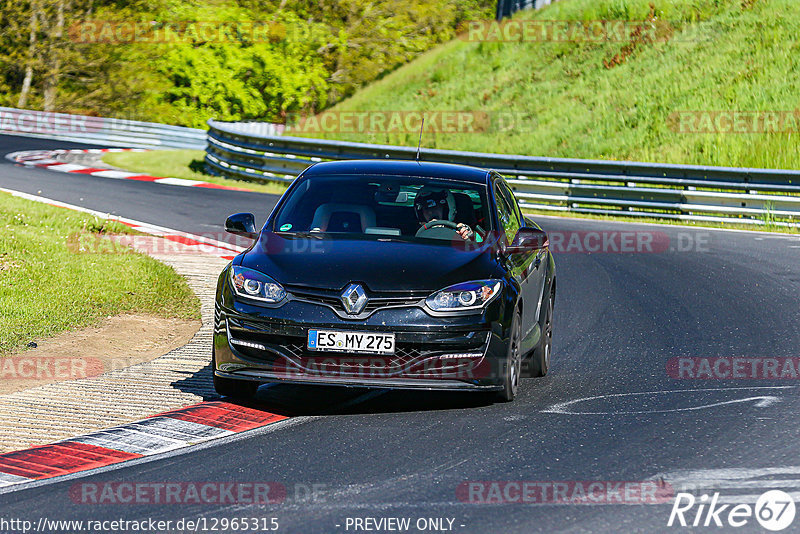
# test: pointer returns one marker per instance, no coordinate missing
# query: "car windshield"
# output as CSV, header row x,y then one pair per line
x,y
402,207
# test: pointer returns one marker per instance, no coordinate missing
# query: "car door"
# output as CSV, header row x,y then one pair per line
x,y
535,268
521,265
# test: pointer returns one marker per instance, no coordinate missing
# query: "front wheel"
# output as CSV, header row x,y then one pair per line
x,y
513,363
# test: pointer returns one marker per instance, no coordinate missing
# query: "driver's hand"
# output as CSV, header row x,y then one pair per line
x,y
465,231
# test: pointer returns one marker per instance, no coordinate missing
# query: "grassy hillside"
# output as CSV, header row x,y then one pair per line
x,y
737,55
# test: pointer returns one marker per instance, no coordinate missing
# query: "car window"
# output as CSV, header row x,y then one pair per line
x,y
512,201
382,206
506,214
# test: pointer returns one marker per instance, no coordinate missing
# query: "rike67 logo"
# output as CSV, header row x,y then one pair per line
x,y
774,511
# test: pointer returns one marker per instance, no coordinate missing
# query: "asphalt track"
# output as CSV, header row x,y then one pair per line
x,y
619,318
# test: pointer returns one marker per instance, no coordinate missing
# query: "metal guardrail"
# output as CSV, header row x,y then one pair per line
x,y
685,192
506,8
99,130
256,128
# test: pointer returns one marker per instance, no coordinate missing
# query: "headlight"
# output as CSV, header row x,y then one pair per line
x,y
464,296
255,285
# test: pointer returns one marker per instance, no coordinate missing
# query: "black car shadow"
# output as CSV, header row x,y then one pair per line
x,y
295,400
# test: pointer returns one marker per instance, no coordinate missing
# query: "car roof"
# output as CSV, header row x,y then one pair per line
x,y
425,169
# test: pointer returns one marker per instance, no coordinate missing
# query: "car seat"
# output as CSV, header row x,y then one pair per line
x,y
340,217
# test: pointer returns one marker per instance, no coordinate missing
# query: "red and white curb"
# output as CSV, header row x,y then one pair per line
x,y
188,243
198,243
158,434
48,159
165,432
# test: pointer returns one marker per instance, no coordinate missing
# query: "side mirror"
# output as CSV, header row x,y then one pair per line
x,y
243,224
528,239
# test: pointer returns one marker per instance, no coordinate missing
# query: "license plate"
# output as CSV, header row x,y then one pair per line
x,y
362,342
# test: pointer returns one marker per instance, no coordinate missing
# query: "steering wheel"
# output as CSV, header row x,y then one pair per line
x,y
438,229
440,223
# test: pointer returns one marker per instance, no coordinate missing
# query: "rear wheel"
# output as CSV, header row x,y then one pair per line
x,y
513,364
228,387
540,359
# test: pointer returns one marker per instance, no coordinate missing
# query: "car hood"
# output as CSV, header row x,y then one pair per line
x,y
382,265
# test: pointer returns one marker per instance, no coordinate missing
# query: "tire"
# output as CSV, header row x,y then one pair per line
x,y
513,363
228,387
540,359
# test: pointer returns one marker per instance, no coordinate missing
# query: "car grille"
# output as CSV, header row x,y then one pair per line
x,y
375,302
402,355
404,362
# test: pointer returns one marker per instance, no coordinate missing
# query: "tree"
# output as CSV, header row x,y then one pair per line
x,y
331,48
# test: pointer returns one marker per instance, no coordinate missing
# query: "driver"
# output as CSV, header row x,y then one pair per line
x,y
432,205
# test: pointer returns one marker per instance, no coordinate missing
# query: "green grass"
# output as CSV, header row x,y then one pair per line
x,y
566,103
182,164
47,288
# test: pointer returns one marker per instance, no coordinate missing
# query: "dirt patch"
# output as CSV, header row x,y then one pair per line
x,y
118,342
6,263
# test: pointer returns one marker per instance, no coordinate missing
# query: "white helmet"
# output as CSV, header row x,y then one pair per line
x,y
432,197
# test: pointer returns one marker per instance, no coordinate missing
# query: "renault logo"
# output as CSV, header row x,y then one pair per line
x,y
354,299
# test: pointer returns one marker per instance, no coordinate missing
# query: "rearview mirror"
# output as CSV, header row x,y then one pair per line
x,y
528,239
243,224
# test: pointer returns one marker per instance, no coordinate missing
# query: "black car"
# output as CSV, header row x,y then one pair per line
x,y
388,274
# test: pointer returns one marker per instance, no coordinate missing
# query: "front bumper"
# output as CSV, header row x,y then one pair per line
x,y
263,344
406,383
